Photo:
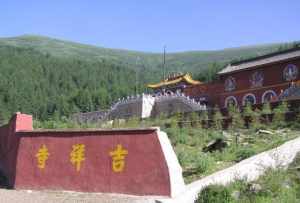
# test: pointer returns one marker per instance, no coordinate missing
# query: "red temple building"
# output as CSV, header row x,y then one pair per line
x,y
267,78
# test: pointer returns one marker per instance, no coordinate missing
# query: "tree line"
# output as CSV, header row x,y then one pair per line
x,y
43,85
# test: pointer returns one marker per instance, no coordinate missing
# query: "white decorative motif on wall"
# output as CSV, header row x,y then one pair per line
x,y
230,100
230,84
257,79
290,72
249,98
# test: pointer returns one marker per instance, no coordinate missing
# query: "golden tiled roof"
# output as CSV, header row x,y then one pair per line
x,y
169,81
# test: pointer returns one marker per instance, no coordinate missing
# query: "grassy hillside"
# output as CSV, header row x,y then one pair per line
x,y
45,76
192,61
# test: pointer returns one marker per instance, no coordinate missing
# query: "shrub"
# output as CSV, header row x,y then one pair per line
x,y
194,119
237,120
266,112
204,120
133,122
203,163
214,194
279,114
244,153
218,119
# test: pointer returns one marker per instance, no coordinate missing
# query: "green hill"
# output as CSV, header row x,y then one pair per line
x,y
192,61
45,76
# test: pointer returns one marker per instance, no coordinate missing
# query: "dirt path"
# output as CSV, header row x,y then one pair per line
x,y
27,196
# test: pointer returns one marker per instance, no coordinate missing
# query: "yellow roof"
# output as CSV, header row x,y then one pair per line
x,y
186,77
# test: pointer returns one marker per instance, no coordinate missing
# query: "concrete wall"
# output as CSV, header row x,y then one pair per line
x,y
144,106
173,104
248,169
148,167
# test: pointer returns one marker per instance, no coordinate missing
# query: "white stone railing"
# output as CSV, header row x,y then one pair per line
x,y
196,106
249,169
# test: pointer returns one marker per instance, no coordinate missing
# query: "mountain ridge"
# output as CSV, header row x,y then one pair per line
x,y
190,61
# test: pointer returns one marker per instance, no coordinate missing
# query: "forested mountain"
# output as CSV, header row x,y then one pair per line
x,y
44,76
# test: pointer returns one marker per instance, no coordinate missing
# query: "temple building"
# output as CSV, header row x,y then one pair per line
x,y
175,83
267,78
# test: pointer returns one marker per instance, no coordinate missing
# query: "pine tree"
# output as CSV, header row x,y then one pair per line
x,y
248,114
266,112
218,119
194,119
204,120
279,114
237,121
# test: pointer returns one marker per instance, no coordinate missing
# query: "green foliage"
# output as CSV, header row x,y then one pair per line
x,y
40,75
244,153
133,122
237,121
218,119
194,119
279,114
266,112
204,120
250,115
174,120
214,194
39,84
256,122
266,108
274,186
203,163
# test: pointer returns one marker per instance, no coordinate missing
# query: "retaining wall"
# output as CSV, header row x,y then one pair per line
x,y
249,169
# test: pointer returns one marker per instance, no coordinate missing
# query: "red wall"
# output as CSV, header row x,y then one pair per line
x,y
216,94
273,80
145,171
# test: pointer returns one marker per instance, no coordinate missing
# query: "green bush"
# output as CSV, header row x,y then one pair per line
x,y
244,153
214,194
203,163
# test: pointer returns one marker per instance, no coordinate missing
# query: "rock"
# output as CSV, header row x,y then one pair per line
x,y
284,130
214,145
236,195
286,184
265,132
255,188
226,135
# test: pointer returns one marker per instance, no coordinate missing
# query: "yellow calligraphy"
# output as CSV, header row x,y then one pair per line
x,y
118,158
42,155
77,155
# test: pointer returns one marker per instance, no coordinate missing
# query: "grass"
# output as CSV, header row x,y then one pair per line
x,y
188,142
276,185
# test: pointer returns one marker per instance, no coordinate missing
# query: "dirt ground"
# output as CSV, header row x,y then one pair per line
x,y
28,196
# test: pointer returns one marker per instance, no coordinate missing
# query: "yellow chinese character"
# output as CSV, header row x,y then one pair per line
x,y
77,155
42,156
118,156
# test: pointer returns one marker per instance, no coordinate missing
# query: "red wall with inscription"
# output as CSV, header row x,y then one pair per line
x,y
145,171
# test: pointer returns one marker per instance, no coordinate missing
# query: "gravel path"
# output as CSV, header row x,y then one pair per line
x,y
28,196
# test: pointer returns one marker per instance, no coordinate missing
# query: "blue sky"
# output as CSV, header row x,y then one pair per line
x,y
148,25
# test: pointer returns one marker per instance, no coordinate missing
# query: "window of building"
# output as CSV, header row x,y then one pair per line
x,y
230,84
257,79
231,100
290,72
269,96
249,98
